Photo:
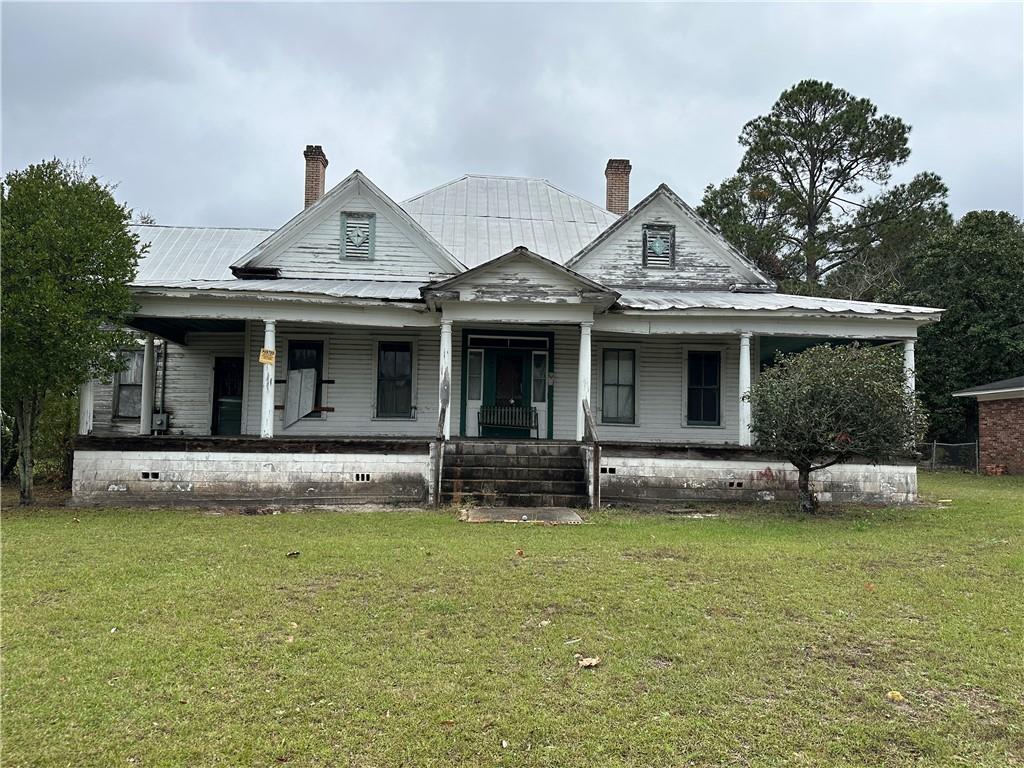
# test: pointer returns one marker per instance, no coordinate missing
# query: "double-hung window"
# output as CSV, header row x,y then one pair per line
x,y
704,388
394,380
128,389
618,386
303,354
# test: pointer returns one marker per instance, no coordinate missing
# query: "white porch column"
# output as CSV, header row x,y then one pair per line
x,y
583,378
444,380
148,388
908,363
85,404
745,437
267,403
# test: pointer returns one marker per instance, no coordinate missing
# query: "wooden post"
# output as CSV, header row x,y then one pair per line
x,y
908,363
933,455
583,378
148,388
444,380
744,409
267,403
85,406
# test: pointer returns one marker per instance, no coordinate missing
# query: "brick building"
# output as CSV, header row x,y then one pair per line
x,y
1000,424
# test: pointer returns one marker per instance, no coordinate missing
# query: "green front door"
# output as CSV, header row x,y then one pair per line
x,y
506,382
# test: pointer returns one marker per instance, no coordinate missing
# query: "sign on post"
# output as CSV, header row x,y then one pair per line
x,y
267,356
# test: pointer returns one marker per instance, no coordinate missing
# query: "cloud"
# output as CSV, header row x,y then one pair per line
x,y
201,112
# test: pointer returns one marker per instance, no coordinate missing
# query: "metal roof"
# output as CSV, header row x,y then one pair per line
x,y
191,253
728,300
339,289
1003,385
479,218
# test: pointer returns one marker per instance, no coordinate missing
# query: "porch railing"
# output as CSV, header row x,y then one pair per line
x,y
508,417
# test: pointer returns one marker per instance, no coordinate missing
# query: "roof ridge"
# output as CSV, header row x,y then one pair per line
x,y
507,178
194,226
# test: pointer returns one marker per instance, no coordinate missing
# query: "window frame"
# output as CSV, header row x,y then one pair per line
x,y
414,363
116,405
636,386
320,390
722,363
660,227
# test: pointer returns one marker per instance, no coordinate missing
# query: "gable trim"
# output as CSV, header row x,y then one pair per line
x,y
323,209
710,235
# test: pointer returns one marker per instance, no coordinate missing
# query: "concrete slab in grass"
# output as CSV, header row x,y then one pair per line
x,y
548,515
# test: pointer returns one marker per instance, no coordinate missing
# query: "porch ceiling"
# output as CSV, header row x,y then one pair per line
x,y
177,329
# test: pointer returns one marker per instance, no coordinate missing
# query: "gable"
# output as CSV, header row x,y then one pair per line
x,y
521,276
662,243
353,232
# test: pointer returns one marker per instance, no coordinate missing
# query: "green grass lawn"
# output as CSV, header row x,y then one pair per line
x,y
757,638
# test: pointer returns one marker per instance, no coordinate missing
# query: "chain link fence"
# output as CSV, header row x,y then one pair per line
x,y
961,457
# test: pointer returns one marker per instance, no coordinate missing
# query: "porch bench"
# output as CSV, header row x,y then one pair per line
x,y
509,417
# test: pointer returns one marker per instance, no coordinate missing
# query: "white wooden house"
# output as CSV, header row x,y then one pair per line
x,y
494,340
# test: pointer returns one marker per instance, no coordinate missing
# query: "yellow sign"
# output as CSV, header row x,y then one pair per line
x,y
267,356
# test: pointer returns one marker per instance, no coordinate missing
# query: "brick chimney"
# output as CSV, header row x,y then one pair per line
x,y
616,175
316,172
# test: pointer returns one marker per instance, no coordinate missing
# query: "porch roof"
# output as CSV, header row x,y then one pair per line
x,y
386,290
644,299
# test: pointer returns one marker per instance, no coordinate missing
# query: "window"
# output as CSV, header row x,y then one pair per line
x,y
703,389
357,235
618,387
128,389
394,380
659,246
540,377
474,375
308,354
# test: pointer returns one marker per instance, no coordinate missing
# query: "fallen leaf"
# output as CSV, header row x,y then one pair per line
x,y
113,630
870,587
520,553
293,625
447,723
545,622
895,696
589,661
504,744
293,554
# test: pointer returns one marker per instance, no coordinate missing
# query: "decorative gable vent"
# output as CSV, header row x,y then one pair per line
x,y
659,246
357,231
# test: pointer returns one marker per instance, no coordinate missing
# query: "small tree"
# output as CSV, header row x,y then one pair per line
x,y
831,403
68,257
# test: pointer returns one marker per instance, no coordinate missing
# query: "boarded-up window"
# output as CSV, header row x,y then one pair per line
x,y
703,388
659,246
128,389
394,380
618,392
357,235
307,355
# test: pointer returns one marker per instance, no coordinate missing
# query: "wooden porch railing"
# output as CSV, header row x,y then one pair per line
x,y
507,416
590,436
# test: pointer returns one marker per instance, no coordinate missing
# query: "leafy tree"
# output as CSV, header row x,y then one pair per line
x,y
828,404
798,204
975,271
68,259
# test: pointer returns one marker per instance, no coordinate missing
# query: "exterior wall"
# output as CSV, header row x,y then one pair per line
x,y
661,389
237,478
350,360
1001,433
638,476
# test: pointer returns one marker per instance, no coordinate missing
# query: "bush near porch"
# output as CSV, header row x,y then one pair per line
x,y
756,638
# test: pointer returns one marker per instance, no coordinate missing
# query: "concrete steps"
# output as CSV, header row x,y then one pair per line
x,y
508,473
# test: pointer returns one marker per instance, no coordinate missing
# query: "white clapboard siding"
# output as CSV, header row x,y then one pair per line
x,y
699,263
521,278
189,386
660,389
395,255
350,360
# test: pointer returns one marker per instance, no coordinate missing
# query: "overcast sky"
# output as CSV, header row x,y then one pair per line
x,y
200,112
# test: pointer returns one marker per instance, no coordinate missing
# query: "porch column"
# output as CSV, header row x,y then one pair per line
x,y
85,404
745,438
908,363
444,380
148,388
583,378
267,402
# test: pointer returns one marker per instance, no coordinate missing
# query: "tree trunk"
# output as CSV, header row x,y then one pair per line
x,y
26,424
11,459
808,501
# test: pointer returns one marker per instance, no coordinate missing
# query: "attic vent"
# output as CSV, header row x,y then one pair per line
x,y
357,231
659,246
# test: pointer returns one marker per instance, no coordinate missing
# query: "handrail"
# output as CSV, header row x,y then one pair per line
x,y
590,436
